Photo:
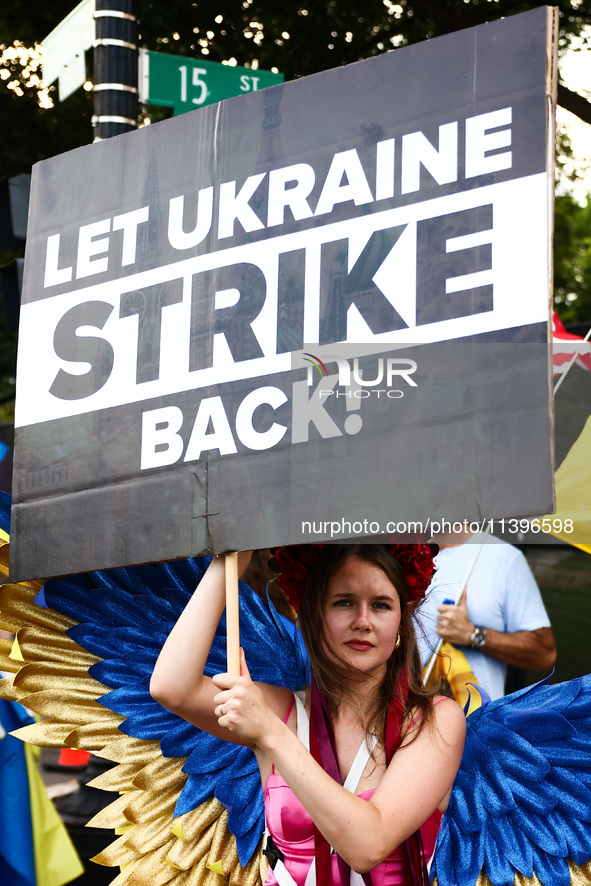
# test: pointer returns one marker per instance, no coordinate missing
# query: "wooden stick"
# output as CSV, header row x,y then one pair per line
x,y
232,618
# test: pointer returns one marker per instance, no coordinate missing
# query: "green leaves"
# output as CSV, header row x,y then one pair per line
x,y
572,259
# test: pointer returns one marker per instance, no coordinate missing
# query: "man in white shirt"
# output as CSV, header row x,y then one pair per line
x,y
500,618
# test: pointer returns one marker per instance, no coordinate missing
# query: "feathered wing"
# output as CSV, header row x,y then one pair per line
x,y
520,809
190,806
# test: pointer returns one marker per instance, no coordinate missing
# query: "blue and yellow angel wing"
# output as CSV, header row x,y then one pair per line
x,y
189,806
520,809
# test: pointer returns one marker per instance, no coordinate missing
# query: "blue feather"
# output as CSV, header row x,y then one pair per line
x,y
521,801
124,616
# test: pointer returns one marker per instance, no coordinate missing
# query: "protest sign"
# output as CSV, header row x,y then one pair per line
x,y
318,310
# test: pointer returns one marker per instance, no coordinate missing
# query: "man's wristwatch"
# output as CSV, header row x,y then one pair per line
x,y
478,638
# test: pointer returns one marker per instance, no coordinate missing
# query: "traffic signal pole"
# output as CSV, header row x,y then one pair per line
x,y
115,68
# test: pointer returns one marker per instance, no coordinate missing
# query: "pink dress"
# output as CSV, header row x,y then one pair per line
x,y
292,831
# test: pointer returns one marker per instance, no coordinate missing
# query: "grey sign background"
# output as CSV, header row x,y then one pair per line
x,y
475,441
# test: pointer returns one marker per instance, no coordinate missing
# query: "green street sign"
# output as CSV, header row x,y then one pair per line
x,y
186,83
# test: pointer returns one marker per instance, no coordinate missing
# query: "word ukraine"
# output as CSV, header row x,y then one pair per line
x,y
217,315
290,188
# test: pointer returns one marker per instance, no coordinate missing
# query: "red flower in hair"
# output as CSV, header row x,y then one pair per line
x,y
296,561
417,564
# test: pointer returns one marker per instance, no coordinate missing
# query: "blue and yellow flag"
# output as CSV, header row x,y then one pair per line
x,y
452,665
35,848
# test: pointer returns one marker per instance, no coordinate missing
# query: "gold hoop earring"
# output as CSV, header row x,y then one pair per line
x,y
397,644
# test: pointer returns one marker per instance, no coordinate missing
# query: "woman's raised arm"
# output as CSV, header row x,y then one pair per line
x,y
178,681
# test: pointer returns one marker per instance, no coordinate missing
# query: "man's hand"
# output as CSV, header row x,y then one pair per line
x,y
453,623
535,650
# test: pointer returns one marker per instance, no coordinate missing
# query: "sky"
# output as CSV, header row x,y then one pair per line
x,y
575,71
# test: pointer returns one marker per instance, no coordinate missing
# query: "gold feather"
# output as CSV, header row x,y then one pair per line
x,y
53,681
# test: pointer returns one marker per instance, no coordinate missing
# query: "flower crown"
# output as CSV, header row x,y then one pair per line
x,y
296,561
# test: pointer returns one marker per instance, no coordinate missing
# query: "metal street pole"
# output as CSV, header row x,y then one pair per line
x,y
115,68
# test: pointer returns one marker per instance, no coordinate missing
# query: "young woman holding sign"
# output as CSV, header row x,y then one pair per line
x,y
363,760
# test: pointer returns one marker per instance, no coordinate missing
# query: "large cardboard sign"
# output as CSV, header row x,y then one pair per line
x,y
319,310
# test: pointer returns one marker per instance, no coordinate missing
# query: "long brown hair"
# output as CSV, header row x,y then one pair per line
x,y
331,675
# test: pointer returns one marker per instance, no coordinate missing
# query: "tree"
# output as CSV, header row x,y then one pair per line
x,y
296,38
300,38
572,259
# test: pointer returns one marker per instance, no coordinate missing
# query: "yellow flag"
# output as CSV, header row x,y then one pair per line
x,y
56,859
453,666
459,675
573,492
